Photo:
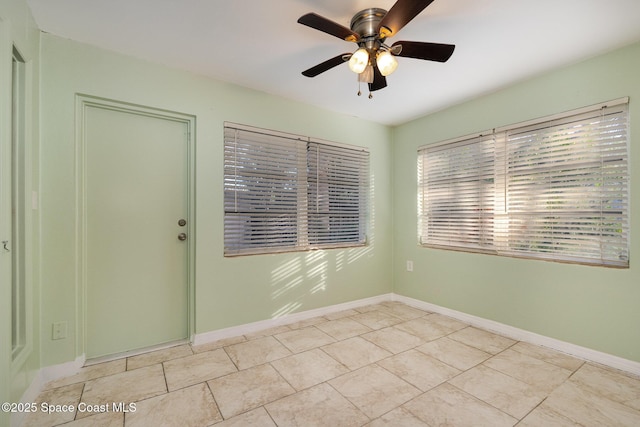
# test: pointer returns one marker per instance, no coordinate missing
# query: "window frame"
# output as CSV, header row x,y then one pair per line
x,y
20,323
589,127
247,230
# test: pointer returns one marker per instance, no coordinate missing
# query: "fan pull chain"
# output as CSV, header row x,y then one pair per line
x,y
360,91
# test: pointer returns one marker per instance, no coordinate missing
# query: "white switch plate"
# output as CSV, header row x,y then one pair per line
x,y
409,265
59,331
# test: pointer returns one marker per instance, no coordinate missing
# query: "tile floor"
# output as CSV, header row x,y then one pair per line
x,y
382,365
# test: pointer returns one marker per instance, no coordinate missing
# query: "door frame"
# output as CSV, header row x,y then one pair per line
x,y
84,102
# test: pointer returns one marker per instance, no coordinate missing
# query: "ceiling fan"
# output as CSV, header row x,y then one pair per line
x,y
369,28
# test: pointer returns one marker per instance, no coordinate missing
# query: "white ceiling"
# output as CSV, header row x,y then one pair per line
x,y
259,44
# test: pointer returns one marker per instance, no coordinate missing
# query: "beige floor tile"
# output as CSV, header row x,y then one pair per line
x,y
506,393
257,417
267,332
399,417
158,356
448,323
424,328
344,328
454,353
584,407
341,314
127,387
446,405
317,406
369,307
191,406
355,352
89,373
197,368
307,369
248,389
300,340
256,352
418,369
550,356
225,342
634,403
547,418
314,321
609,383
105,419
68,396
376,319
482,340
374,390
402,311
542,375
393,340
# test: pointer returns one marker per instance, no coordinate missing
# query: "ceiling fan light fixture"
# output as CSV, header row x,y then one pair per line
x,y
374,60
387,64
359,60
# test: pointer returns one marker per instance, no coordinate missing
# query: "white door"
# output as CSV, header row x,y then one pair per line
x,y
136,202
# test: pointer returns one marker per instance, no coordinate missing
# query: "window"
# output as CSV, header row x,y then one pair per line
x,y
18,232
285,192
554,188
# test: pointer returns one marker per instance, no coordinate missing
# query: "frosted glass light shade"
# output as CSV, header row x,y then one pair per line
x,y
387,64
359,60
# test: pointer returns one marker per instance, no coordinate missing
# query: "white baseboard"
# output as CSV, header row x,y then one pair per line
x,y
522,335
43,376
62,370
234,331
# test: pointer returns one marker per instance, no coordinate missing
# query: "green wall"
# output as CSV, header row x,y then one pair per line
x,y
17,29
593,307
229,291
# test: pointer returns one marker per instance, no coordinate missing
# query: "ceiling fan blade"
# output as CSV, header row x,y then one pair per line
x,y
428,51
326,65
379,81
328,26
400,14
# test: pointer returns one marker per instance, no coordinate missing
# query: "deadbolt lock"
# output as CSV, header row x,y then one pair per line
x,y
182,222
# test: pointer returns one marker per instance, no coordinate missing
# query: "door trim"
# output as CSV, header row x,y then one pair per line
x,y
83,102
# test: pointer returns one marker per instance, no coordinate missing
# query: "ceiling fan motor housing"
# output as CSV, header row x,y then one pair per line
x,y
365,23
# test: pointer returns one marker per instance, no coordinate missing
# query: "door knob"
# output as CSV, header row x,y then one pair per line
x,y
182,236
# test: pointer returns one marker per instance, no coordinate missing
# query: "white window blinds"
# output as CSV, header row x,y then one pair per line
x,y
555,188
337,192
457,191
285,192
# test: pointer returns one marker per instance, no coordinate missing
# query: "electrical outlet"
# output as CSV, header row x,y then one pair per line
x,y
59,330
409,265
